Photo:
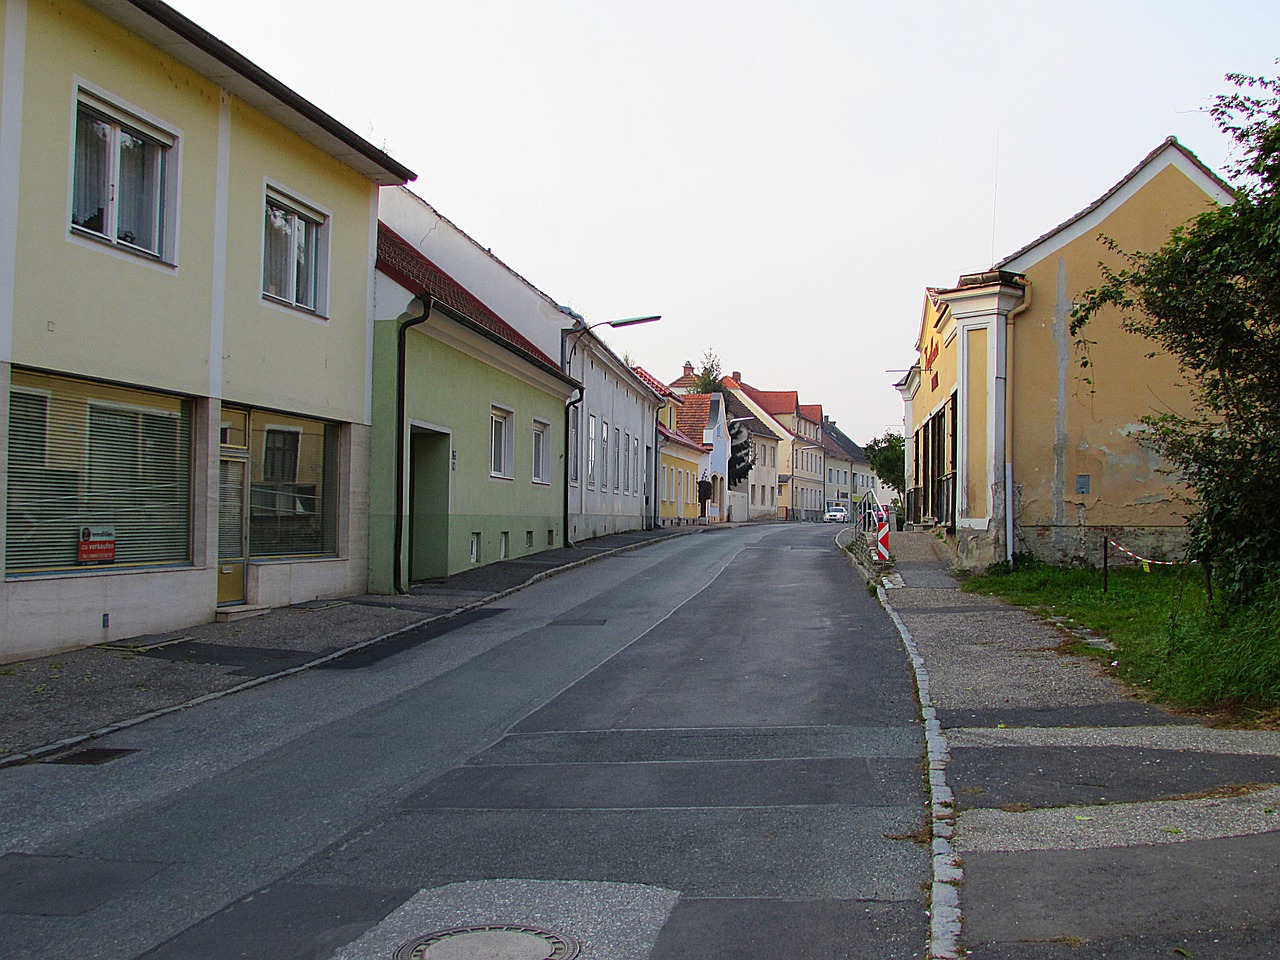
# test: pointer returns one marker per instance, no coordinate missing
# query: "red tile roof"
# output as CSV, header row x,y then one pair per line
x,y
774,402
405,264
654,384
676,436
811,411
692,416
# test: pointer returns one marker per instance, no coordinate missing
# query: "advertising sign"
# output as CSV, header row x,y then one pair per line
x,y
97,544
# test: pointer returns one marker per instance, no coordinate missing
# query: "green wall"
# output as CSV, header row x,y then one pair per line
x,y
454,391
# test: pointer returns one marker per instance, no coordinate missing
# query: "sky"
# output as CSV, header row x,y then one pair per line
x,y
779,180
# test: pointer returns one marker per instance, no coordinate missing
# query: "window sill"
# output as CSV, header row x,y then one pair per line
x,y
500,476
292,307
127,249
541,483
102,570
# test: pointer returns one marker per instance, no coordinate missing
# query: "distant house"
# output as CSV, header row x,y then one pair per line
x,y
802,471
468,429
681,458
610,474
703,415
861,478
759,491
1010,446
185,277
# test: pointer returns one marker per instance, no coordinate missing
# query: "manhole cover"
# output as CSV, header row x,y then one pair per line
x,y
493,942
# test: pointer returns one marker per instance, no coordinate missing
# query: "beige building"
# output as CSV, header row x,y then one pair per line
x,y
1009,442
681,458
801,468
186,276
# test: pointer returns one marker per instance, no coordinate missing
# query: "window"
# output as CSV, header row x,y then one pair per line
x,y
500,443
591,450
504,544
541,452
293,485
604,454
294,253
618,453
574,418
626,464
475,548
82,453
124,183
280,455
635,465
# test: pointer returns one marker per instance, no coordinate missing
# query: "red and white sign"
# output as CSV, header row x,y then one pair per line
x,y
882,541
97,544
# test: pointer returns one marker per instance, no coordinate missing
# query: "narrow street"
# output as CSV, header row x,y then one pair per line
x,y
709,748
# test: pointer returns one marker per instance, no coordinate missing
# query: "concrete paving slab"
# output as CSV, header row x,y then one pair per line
x,y
827,853
292,921
1058,776
1089,895
64,886
795,929
706,784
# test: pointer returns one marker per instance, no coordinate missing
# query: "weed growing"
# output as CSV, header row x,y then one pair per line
x,y
1170,640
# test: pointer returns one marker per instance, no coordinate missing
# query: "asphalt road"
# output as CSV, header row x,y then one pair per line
x,y
706,749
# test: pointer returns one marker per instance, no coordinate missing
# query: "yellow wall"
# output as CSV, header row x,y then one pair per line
x,y
674,458
81,306
1065,426
937,362
977,489
275,355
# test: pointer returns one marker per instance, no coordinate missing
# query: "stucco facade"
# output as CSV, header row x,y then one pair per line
x,y
161,391
1011,444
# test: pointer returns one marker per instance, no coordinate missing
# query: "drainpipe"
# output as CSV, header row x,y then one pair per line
x,y
424,302
568,412
1008,417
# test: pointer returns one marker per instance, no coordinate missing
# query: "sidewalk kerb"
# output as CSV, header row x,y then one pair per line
x,y
35,754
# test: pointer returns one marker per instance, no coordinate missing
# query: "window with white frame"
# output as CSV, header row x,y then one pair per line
x,y
574,430
617,454
500,443
591,450
124,179
541,451
635,465
626,464
295,253
604,454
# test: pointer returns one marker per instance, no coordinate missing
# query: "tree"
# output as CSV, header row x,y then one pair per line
x,y
709,376
887,456
1210,297
741,454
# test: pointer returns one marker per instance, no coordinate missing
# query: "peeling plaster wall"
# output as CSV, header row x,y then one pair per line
x,y
1081,428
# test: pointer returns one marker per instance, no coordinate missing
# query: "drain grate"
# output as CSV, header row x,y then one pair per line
x,y
91,756
500,941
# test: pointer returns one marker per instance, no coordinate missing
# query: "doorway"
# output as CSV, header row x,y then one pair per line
x,y
430,464
232,553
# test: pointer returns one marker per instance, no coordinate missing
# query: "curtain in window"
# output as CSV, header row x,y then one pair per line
x,y
85,454
138,194
277,260
92,178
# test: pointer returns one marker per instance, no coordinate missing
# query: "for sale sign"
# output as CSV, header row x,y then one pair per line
x,y
97,544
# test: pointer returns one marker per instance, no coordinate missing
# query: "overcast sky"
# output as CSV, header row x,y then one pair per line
x,y
779,180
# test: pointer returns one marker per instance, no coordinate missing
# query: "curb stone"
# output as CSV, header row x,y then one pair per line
x,y
943,942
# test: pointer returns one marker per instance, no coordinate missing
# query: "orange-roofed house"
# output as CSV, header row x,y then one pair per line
x,y
681,458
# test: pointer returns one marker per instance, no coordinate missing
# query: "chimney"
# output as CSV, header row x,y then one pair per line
x,y
688,368
737,376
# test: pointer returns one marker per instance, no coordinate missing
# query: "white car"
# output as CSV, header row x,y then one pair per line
x,y
836,515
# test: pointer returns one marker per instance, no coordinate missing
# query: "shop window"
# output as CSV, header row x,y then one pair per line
x,y
295,253
96,463
293,470
124,185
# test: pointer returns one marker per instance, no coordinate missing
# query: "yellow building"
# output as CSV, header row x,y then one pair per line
x,y
681,457
1008,440
186,259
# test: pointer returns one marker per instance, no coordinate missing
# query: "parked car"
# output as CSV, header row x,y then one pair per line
x,y
836,515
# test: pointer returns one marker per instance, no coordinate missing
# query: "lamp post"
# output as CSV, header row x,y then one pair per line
x,y
566,363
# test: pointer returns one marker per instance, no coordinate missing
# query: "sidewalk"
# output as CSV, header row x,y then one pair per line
x,y
55,703
1087,823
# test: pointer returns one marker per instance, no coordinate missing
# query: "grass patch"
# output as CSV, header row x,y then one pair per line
x,y
1170,640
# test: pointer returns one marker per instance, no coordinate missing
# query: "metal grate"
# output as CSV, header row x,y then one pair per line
x,y
91,756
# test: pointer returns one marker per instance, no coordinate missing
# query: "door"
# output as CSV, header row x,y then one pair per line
x,y
231,530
